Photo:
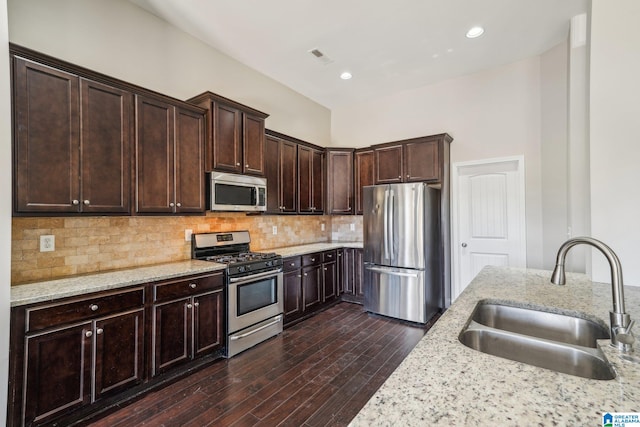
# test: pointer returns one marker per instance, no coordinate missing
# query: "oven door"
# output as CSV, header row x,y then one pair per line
x,y
253,299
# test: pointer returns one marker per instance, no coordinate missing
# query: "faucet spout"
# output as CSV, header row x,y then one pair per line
x,y
621,323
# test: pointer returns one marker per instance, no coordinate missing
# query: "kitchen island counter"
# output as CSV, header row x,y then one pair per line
x,y
444,382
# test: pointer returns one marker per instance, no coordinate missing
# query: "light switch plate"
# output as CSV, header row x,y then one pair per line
x,y
187,234
275,230
322,227
352,227
47,243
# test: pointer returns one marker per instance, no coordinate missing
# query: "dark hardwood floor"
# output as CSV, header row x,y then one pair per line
x,y
320,372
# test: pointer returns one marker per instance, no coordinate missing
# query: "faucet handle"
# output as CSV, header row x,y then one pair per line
x,y
624,336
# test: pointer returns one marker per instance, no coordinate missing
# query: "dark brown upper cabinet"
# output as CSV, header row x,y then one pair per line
x,y
411,160
169,158
340,181
281,171
311,180
72,142
364,174
236,135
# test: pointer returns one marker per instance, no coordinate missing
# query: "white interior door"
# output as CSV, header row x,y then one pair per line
x,y
489,217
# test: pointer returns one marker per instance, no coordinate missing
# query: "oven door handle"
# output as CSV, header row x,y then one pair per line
x,y
276,320
254,276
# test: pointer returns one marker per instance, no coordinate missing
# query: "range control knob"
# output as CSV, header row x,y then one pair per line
x,y
269,263
241,269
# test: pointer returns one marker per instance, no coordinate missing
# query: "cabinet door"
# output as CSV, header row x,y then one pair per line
x,y
329,276
292,281
364,175
340,182
311,286
318,181
58,369
189,166
253,144
348,276
119,352
358,273
305,180
421,161
227,145
154,156
288,176
106,136
208,319
388,164
272,173
172,334
47,139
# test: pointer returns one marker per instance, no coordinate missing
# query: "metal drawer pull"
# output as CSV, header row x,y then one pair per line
x,y
192,285
276,320
93,307
88,334
196,304
87,202
99,331
189,306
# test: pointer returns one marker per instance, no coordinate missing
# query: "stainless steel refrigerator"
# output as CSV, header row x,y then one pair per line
x,y
403,249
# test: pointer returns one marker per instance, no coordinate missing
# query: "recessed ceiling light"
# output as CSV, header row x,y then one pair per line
x,y
346,75
475,32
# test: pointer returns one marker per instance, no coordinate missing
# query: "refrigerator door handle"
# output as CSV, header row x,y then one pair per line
x,y
386,224
390,272
391,224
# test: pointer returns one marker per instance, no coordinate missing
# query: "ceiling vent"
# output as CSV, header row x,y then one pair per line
x,y
321,57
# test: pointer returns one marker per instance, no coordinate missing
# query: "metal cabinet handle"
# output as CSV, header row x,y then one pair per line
x,y
305,274
189,306
246,166
325,269
75,202
196,304
88,334
87,202
237,164
313,259
178,204
300,275
94,307
293,264
99,331
192,285
172,204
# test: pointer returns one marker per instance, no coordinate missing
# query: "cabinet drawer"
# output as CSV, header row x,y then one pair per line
x,y
312,259
329,256
183,288
41,317
292,263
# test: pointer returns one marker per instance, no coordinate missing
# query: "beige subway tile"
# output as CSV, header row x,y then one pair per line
x,y
76,260
51,261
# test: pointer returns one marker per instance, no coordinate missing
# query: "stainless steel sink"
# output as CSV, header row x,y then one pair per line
x,y
548,340
541,324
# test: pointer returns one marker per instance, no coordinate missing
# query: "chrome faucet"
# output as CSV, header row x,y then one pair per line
x,y
621,323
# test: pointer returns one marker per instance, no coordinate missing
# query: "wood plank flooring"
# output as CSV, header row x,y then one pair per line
x,y
320,372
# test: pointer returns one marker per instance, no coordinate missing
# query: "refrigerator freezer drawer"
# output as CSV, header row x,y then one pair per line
x,y
399,293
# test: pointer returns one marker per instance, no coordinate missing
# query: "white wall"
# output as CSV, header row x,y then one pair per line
x,y
554,97
5,209
119,39
615,134
494,113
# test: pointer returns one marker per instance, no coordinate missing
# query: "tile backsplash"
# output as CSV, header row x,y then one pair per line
x,y
94,244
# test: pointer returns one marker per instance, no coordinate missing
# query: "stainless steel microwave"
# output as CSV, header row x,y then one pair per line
x,y
239,193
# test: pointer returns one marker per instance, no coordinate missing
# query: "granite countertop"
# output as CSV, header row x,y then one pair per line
x,y
444,382
289,251
79,285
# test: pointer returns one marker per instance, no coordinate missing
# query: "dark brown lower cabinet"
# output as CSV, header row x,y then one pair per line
x,y
71,367
292,282
311,286
353,275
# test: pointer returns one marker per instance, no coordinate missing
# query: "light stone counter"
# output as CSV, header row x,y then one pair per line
x,y
79,285
442,382
289,251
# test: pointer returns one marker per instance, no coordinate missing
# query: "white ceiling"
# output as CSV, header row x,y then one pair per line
x,y
388,45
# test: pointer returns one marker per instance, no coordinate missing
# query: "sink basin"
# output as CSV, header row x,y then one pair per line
x,y
553,341
541,324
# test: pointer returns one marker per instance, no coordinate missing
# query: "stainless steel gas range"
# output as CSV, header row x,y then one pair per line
x,y
254,287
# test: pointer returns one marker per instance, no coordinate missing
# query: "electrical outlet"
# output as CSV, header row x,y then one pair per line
x,y
47,243
275,230
187,234
352,227
322,227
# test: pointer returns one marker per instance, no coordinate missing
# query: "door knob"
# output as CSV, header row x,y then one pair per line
x,y
464,245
